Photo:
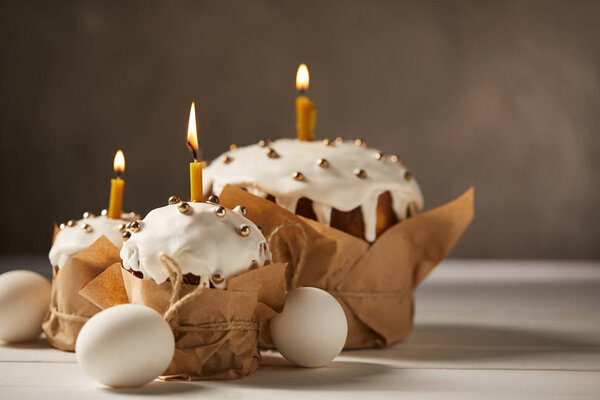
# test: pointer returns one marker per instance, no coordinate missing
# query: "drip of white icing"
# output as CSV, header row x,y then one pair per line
x,y
287,202
323,212
334,186
400,204
73,239
369,211
256,191
199,241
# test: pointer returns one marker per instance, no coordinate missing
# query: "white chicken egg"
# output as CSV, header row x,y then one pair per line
x,y
125,346
312,329
24,301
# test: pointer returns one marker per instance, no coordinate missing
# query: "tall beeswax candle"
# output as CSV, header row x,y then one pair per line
x,y
115,205
196,165
305,109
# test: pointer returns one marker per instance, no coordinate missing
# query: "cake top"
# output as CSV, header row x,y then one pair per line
x,y
333,174
205,239
75,236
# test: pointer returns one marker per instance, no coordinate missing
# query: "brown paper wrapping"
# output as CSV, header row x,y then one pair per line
x,y
216,332
375,282
68,310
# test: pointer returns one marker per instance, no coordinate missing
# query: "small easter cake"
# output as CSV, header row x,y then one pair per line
x,y
207,269
343,184
81,250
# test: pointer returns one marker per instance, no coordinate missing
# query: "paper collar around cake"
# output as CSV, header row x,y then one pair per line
x,y
75,236
204,240
333,174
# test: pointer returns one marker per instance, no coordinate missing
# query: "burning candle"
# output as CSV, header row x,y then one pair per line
x,y
196,165
115,205
305,109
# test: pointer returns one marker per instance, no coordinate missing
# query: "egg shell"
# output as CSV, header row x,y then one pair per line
x,y
312,329
125,346
24,301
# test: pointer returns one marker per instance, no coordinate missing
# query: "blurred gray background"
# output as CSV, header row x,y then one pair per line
x,y
502,95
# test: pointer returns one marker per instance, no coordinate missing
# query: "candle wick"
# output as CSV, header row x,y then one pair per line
x,y
193,150
301,92
119,173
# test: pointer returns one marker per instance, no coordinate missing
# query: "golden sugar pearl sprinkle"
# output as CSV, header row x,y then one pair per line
x,y
220,211
62,226
226,159
135,226
122,228
339,140
328,142
243,210
271,153
71,223
213,198
184,207
298,176
323,163
104,211
264,143
233,147
88,214
360,143
244,230
379,156
126,235
174,200
217,278
87,228
361,173
408,175
395,159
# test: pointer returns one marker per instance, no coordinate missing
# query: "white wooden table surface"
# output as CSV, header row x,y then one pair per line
x,y
483,329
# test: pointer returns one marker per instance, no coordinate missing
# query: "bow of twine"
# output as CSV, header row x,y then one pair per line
x,y
176,278
277,245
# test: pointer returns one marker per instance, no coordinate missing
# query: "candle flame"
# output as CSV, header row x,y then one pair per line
x,y
192,134
302,78
119,163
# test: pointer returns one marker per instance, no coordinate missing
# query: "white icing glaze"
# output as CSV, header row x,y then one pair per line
x,y
336,186
199,241
71,240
